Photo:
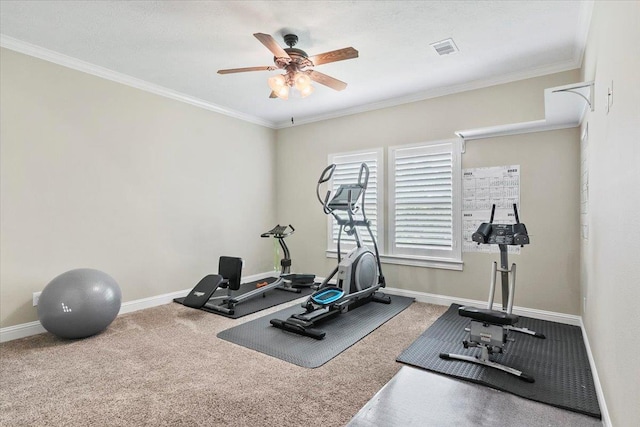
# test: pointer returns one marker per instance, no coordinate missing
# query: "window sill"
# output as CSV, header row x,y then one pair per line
x,y
413,261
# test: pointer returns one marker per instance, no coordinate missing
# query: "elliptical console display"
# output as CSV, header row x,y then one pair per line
x,y
502,234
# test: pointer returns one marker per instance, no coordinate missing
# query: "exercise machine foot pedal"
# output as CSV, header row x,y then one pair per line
x,y
381,298
289,326
327,295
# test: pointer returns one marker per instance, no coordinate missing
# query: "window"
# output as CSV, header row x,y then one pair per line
x,y
346,172
423,226
424,201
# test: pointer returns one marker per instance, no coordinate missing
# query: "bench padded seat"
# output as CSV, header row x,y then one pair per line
x,y
490,316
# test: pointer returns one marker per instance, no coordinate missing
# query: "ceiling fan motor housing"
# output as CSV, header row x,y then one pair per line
x,y
290,40
298,60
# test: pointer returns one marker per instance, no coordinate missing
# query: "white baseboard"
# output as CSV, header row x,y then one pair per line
x,y
606,419
11,333
141,304
32,328
569,319
23,330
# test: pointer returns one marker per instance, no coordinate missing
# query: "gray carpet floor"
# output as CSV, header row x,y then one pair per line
x,y
164,366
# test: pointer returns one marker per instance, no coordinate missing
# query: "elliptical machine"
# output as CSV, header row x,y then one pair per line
x,y
358,275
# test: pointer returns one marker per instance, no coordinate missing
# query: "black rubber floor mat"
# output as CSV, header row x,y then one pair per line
x,y
559,363
342,332
269,299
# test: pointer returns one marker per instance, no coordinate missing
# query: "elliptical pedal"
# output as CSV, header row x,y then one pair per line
x,y
290,326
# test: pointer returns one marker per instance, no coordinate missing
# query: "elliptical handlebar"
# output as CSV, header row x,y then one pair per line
x,y
326,175
361,183
279,231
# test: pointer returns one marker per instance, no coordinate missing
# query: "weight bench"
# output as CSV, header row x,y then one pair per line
x,y
228,277
489,328
488,331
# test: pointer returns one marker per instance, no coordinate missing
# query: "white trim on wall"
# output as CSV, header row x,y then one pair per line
x,y
438,92
33,328
606,419
23,330
569,319
105,73
70,62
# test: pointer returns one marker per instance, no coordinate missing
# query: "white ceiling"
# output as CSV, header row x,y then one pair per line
x,y
175,47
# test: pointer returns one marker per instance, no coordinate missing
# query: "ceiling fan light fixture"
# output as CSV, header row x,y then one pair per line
x,y
306,91
277,82
282,92
302,81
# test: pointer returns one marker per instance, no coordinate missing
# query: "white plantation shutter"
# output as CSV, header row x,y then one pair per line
x,y
424,206
346,172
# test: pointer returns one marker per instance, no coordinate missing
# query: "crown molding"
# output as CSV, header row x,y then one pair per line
x,y
576,62
438,92
105,73
73,63
584,23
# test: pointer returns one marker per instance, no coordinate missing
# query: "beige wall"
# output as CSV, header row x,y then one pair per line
x,y
611,255
98,174
548,269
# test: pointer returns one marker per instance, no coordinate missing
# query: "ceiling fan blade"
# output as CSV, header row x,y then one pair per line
x,y
242,70
273,95
272,45
329,81
334,55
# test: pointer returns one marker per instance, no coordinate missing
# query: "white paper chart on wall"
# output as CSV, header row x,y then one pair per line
x,y
482,188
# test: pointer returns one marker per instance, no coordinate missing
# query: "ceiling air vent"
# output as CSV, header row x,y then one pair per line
x,y
445,47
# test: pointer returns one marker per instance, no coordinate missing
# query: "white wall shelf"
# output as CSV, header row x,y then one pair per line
x,y
564,107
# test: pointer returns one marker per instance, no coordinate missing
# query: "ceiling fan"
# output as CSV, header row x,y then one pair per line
x,y
298,67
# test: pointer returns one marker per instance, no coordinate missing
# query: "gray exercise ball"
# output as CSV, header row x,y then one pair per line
x,y
79,303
